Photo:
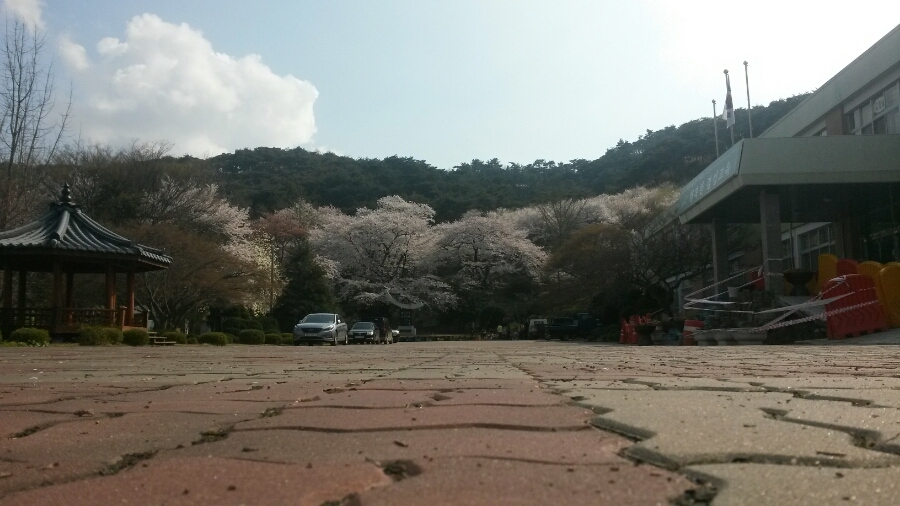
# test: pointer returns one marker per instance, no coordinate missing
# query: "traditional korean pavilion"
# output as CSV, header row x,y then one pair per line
x,y
65,242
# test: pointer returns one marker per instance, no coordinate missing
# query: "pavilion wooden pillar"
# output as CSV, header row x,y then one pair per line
x,y
23,276
56,311
111,293
7,287
129,310
6,310
70,288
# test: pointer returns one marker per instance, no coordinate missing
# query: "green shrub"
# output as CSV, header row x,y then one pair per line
x,y
273,338
231,338
192,340
30,335
92,336
287,338
214,338
12,344
177,337
113,335
136,337
252,336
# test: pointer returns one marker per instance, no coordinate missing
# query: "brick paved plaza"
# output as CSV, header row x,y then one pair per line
x,y
542,423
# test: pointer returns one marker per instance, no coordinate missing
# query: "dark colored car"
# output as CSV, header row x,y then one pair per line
x,y
562,328
384,328
365,332
321,328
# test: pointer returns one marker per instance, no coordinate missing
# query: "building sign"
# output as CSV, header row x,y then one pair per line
x,y
720,171
878,105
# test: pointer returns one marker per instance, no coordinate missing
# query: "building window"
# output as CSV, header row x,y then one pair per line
x,y
878,115
787,251
814,243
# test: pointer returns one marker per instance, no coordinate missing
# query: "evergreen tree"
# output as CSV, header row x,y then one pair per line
x,y
307,290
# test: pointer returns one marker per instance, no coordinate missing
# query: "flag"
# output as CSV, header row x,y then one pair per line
x,y
728,111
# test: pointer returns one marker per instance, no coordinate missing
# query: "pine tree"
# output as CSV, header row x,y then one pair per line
x,y
307,290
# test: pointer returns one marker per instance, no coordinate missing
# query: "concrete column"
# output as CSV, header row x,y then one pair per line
x,y
720,254
770,221
834,122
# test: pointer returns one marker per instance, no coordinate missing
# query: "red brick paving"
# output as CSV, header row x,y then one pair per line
x,y
281,425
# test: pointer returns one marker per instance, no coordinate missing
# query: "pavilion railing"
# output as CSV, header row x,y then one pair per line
x,y
67,319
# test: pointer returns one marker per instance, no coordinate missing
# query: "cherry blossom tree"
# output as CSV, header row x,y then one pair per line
x,y
480,249
278,235
381,249
488,261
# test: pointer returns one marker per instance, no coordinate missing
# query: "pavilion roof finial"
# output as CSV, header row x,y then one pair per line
x,y
65,197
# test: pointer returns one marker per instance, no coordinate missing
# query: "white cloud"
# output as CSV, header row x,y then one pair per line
x,y
26,11
165,82
73,54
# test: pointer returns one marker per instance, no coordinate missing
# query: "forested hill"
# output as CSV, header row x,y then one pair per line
x,y
268,179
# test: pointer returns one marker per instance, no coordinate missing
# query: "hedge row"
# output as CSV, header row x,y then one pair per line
x,y
105,336
252,336
214,338
31,336
99,336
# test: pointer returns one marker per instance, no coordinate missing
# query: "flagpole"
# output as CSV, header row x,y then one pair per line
x,y
728,85
716,128
749,115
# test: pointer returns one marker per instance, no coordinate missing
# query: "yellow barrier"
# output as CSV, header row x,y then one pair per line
x,y
890,287
873,270
827,270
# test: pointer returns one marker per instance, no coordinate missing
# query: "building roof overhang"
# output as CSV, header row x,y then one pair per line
x,y
66,234
816,177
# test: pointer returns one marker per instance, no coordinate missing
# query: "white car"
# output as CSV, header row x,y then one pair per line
x,y
321,328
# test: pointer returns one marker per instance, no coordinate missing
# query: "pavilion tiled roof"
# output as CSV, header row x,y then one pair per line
x,y
66,229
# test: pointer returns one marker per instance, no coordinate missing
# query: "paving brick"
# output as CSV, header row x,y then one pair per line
x,y
302,447
694,427
445,383
352,419
464,481
775,485
878,427
487,419
211,481
15,422
93,444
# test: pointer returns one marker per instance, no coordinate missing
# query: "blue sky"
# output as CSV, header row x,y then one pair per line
x,y
441,81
